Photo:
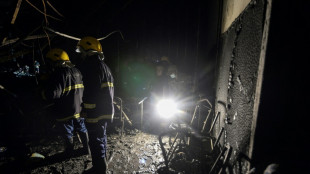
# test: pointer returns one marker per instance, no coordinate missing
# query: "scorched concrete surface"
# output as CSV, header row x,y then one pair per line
x,y
135,152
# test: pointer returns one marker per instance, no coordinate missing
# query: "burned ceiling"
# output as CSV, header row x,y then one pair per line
x,y
185,31
23,22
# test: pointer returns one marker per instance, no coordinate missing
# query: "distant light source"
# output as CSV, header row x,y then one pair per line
x,y
166,108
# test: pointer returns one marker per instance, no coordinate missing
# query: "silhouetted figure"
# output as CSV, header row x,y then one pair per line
x,y
64,88
98,107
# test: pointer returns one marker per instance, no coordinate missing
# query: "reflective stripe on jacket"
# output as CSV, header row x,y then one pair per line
x,y
98,89
96,119
65,88
67,118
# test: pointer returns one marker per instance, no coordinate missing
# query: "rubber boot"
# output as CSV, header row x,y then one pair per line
x,y
85,140
69,146
100,166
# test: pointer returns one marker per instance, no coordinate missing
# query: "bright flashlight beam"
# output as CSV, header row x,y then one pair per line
x,y
166,108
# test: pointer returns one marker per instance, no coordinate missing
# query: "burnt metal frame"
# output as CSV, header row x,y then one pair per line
x,y
185,133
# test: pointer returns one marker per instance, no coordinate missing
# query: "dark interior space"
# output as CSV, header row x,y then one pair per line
x,y
137,35
281,126
184,31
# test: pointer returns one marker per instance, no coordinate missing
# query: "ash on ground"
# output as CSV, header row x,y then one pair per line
x,y
132,152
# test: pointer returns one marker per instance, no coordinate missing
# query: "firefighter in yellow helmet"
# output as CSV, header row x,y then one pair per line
x,y
97,99
65,89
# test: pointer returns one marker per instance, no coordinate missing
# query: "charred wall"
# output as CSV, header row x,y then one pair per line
x,y
260,87
237,77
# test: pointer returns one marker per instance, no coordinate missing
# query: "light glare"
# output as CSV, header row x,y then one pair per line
x,y
166,108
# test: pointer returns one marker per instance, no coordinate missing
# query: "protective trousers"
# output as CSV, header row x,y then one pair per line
x,y
67,130
85,140
98,144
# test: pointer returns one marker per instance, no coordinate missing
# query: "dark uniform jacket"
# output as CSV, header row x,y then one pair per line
x,y
160,87
65,87
99,89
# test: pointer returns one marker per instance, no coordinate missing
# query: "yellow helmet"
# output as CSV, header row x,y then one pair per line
x,y
56,54
89,43
165,58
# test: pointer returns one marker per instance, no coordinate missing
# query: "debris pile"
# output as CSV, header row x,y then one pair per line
x,y
132,152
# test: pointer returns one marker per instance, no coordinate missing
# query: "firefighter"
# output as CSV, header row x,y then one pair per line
x,y
159,85
98,96
158,90
65,88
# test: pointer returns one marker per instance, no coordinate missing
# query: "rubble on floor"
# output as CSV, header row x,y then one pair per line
x,y
134,152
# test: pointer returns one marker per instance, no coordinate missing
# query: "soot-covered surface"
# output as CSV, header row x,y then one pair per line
x,y
135,152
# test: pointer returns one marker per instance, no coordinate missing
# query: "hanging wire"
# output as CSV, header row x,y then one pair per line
x,y
22,39
42,57
48,38
76,38
54,9
26,45
41,11
11,41
46,22
111,34
62,34
16,11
